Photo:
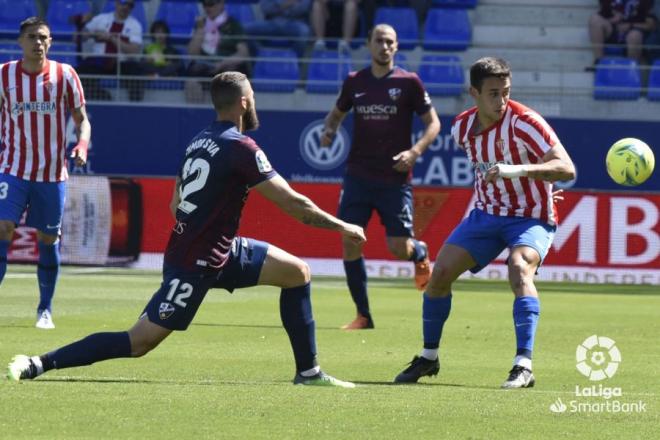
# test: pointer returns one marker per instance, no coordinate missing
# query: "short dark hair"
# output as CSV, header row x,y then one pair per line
x,y
32,21
370,33
488,67
159,24
226,89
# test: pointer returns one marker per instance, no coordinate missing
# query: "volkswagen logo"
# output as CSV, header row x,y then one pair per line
x,y
323,158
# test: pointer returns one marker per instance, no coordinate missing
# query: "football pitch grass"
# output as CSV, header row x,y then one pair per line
x,y
229,375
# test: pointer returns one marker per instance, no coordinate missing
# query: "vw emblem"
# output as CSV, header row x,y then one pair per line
x,y
323,158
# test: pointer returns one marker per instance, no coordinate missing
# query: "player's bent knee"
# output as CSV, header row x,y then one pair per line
x,y
440,282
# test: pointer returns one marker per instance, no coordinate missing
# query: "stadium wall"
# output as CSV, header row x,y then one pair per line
x,y
607,233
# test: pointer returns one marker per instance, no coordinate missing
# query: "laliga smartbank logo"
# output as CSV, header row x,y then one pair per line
x,y
598,359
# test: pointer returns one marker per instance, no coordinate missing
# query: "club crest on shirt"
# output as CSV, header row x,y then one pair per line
x,y
262,163
48,86
395,93
165,310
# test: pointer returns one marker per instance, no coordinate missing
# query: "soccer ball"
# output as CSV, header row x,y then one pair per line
x,y
630,162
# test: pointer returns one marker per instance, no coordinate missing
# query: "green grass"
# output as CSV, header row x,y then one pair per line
x,y
229,375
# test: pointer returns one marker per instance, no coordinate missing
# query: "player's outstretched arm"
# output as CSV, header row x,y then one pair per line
x,y
556,165
300,207
332,122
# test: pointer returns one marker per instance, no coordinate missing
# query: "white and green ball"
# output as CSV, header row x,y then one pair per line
x,y
630,162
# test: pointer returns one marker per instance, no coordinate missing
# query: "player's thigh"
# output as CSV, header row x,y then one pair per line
x,y
176,302
284,270
450,263
529,233
395,208
355,205
480,235
14,197
47,207
145,336
244,264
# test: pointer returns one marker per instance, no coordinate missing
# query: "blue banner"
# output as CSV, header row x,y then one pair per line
x,y
149,141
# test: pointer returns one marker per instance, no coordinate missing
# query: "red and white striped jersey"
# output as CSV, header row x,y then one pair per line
x,y
521,136
33,115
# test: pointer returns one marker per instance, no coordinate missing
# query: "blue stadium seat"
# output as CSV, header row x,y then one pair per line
x,y
455,3
180,17
63,52
242,12
10,52
60,12
327,70
442,74
404,22
617,78
138,12
13,12
447,29
654,82
276,70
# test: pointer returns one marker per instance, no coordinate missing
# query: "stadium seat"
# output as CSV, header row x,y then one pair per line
x,y
242,12
10,52
180,17
60,12
13,13
404,22
447,29
327,70
276,70
455,3
654,82
138,12
617,79
63,52
442,74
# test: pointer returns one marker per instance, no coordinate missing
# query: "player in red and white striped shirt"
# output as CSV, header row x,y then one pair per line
x,y
516,157
35,95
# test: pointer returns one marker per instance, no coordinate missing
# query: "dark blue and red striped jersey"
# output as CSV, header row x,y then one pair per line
x,y
219,168
383,110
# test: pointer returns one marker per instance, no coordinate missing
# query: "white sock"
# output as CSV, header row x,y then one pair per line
x,y
36,360
430,353
523,361
311,372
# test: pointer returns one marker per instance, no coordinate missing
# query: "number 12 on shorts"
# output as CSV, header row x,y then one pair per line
x,y
178,292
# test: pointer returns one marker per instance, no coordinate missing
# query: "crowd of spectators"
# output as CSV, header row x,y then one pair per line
x,y
113,41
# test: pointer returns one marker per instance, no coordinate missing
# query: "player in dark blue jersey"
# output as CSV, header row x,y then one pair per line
x,y
384,99
220,167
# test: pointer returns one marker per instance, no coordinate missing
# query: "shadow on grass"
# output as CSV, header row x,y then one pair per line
x,y
279,327
424,384
16,326
129,380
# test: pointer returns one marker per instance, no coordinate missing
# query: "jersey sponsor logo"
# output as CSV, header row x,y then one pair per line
x,y
179,227
165,310
376,109
323,158
485,166
43,107
394,93
262,162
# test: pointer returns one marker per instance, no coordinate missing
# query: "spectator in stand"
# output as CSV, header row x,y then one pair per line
x,y
216,34
112,37
626,22
325,13
162,59
283,18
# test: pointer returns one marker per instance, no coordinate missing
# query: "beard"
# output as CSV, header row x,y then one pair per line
x,y
250,119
